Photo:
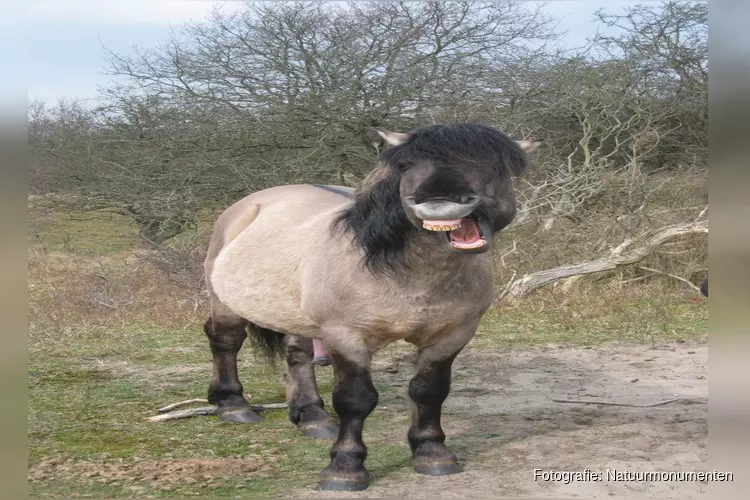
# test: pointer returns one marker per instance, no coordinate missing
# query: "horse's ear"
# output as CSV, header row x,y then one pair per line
x,y
529,146
392,138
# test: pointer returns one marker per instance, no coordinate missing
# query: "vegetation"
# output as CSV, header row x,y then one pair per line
x,y
122,197
115,333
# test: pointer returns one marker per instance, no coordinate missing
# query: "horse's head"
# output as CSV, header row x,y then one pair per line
x,y
454,181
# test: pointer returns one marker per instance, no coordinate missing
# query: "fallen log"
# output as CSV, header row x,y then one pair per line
x,y
625,254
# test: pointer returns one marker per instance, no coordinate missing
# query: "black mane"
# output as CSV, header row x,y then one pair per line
x,y
378,224
377,220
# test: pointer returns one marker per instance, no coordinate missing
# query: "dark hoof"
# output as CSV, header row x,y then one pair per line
x,y
436,468
322,361
320,431
242,415
355,482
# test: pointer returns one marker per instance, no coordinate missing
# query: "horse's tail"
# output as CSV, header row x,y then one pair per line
x,y
266,343
704,287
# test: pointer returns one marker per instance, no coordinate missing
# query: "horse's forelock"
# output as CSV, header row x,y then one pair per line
x,y
459,145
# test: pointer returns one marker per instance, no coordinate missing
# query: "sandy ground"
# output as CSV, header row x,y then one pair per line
x,y
502,423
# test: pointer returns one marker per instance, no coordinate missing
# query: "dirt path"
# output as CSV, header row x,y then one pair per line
x,y
501,421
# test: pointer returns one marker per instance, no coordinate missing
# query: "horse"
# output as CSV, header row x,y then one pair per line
x,y
406,256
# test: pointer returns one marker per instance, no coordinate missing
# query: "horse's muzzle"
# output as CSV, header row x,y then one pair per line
x,y
442,209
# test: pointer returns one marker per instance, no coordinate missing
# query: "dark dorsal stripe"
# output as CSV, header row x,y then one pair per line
x,y
334,190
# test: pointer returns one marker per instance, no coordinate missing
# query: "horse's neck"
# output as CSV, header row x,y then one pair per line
x,y
429,264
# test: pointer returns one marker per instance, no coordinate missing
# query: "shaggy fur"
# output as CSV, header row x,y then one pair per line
x,y
378,225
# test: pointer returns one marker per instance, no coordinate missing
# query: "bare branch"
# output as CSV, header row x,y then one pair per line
x,y
678,278
208,410
615,259
605,403
181,403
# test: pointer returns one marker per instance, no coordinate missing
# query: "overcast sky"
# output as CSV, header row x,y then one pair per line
x,y
65,38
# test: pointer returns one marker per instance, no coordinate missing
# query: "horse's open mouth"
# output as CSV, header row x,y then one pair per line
x,y
463,234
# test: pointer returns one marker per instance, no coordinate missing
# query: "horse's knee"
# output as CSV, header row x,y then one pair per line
x,y
433,385
298,351
230,332
355,396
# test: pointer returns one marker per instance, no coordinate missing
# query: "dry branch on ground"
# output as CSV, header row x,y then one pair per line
x,y
201,411
624,254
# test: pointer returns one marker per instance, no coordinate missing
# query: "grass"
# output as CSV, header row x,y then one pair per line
x,y
88,404
113,337
100,231
630,317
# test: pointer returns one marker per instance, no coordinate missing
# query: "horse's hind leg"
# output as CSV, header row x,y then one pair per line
x,y
428,390
305,405
226,333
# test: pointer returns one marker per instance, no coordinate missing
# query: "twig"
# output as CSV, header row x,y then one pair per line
x,y
181,403
192,412
604,403
502,257
507,288
207,410
697,289
189,402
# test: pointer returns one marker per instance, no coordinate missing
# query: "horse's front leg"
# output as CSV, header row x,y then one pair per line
x,y
354,398
428,390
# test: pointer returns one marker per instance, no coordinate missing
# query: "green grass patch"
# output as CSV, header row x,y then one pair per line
x,y
95,232
87,403
667,318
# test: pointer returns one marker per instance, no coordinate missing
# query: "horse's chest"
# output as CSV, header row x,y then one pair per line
x,y
425,315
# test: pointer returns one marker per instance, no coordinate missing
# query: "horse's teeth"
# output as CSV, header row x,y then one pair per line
x,y
478,244
430,227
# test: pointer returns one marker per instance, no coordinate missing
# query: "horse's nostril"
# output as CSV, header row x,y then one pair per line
x,y
468,198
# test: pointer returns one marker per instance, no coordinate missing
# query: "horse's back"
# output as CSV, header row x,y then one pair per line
x,y
294,204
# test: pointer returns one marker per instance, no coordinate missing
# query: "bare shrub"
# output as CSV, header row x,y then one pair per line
x,y
77,295
181,263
